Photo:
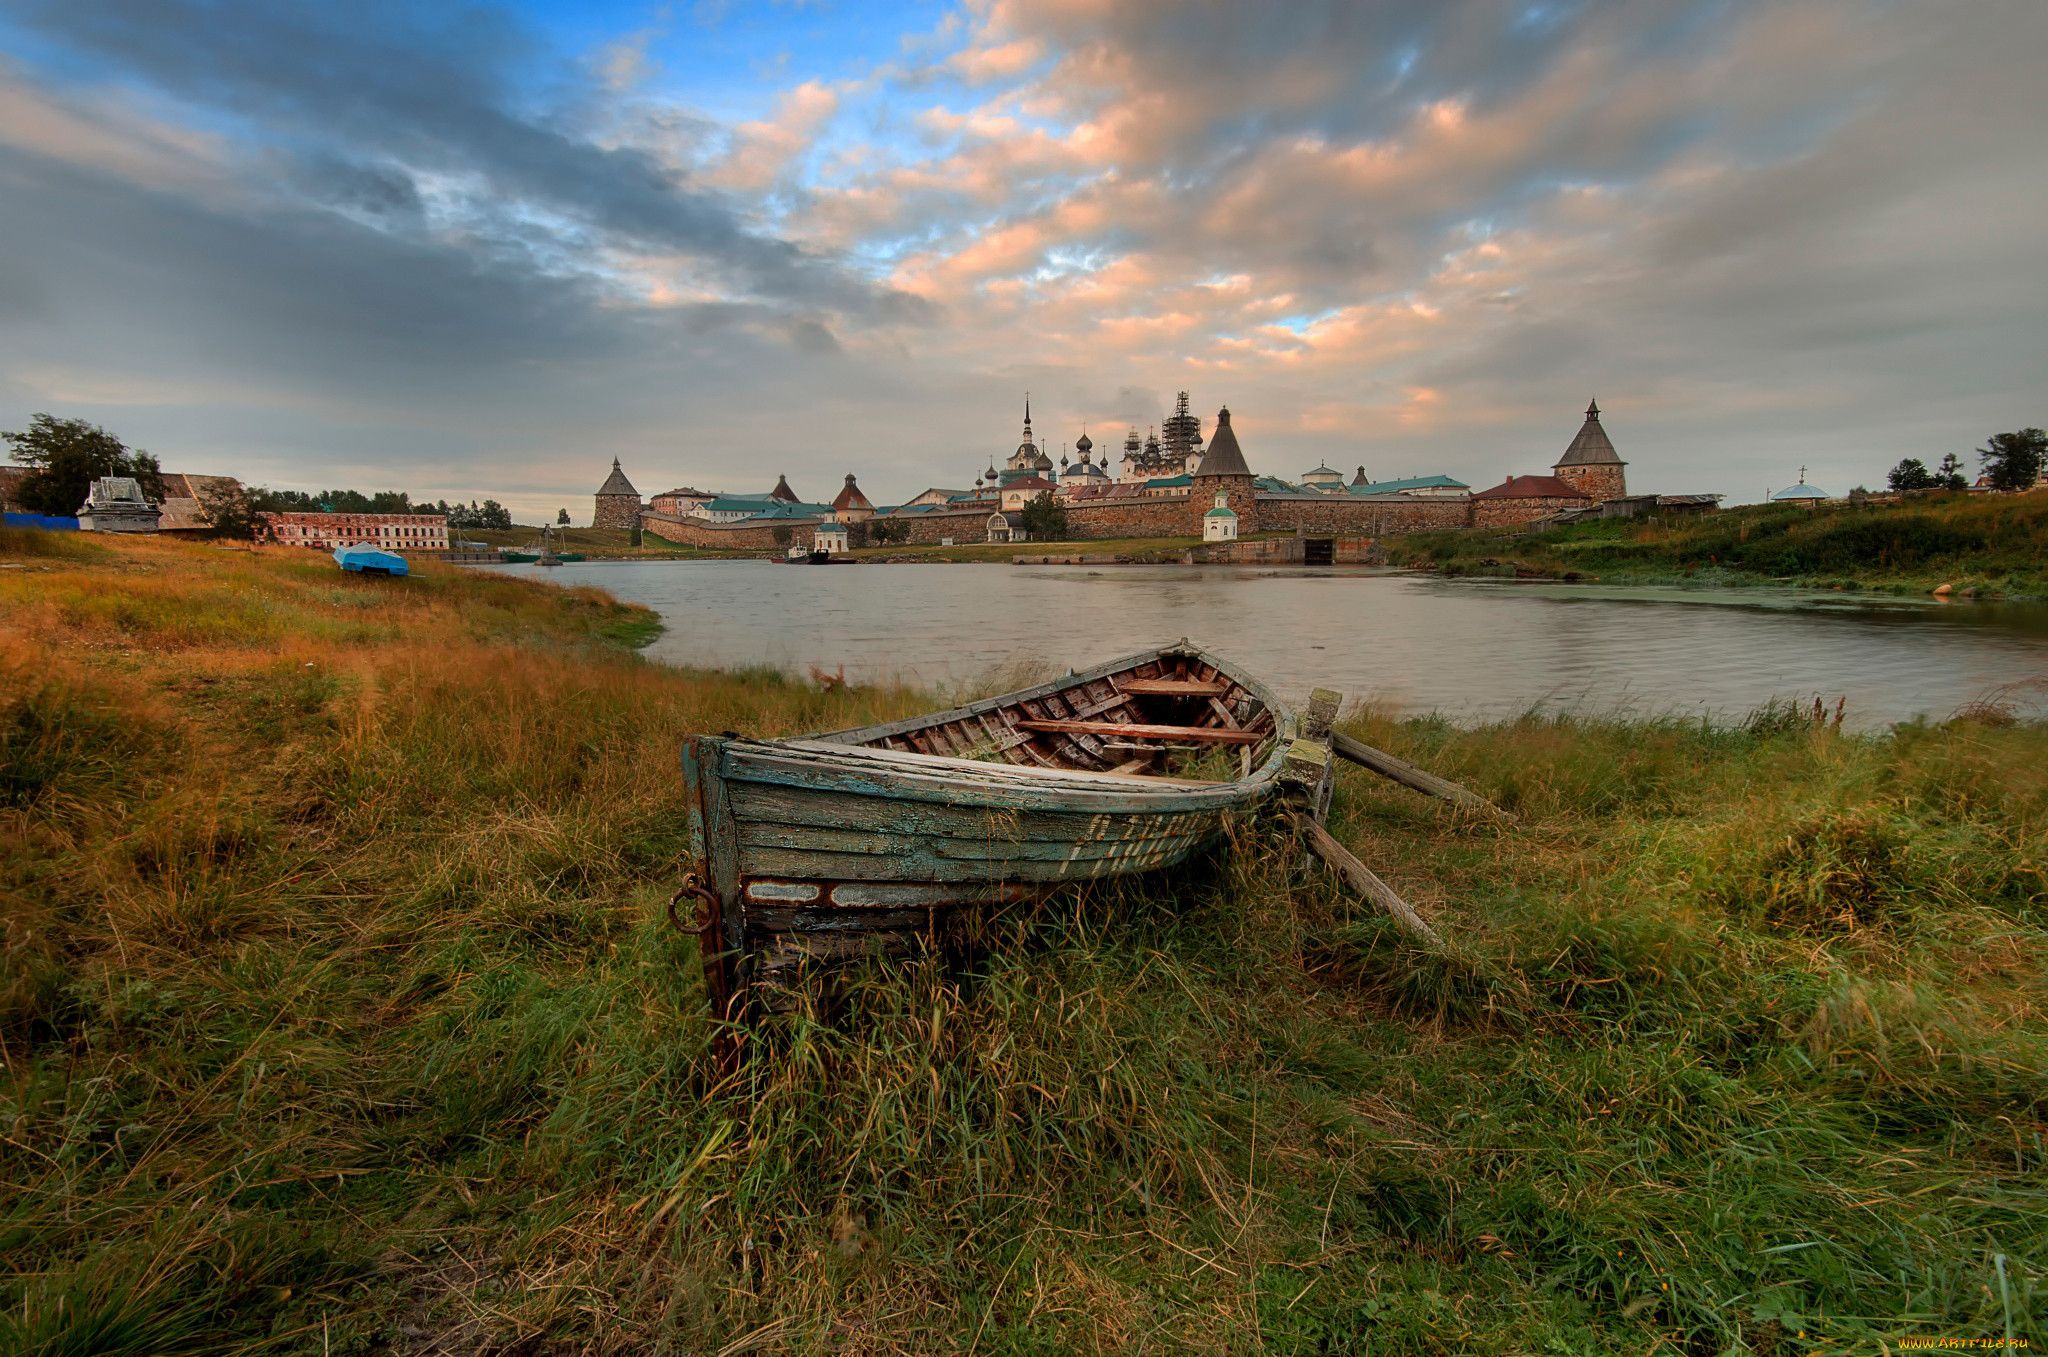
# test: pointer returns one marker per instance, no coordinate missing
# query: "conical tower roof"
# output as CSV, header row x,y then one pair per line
x,y
1591,447
851,497
617,484
1223,457
783,492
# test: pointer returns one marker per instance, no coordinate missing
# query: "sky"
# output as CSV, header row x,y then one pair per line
x,y
471,250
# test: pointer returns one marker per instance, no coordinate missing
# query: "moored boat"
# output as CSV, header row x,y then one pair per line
x,y
809,852
542,551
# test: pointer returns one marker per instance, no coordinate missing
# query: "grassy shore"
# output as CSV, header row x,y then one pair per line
x,y
599,544
341,1015
1983,545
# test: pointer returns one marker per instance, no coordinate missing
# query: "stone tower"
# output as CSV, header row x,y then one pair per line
x,y
618,503
1223,481
1590,465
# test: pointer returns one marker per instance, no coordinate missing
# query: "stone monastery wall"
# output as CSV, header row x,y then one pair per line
x,y
742,536
1164,516
1511,513
1343,514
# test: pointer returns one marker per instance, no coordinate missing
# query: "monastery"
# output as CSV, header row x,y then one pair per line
x,y
1171,483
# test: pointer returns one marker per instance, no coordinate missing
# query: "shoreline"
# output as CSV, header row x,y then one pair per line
x,y
1689,581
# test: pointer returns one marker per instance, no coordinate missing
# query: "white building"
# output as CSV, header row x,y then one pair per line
x,y
1220,523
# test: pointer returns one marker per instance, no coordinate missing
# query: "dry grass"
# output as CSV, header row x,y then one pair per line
x,y
341,1014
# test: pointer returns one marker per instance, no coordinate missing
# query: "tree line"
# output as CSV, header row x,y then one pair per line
x,y
65,456
2007,461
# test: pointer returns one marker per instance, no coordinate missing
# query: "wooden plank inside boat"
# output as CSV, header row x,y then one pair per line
x,y
1206,734
1173,688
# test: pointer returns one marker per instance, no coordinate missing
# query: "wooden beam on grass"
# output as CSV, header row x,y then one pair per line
x,y
1408,775
1361,879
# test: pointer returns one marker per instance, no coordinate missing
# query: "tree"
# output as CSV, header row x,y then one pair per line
x,y
2012,461
886,532
65,456
231,511
782,534
562,517
490,514
1045,518
284,501
1911,474
1949,475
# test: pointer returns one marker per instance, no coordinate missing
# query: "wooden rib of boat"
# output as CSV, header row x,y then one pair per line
x,y
809,852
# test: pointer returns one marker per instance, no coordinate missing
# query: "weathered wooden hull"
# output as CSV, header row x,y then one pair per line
x,y
813,851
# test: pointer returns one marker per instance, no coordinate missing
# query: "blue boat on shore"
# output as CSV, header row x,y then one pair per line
x,y
369,561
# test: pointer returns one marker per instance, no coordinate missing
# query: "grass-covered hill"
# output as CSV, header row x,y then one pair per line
x,y
1993,544
341,1014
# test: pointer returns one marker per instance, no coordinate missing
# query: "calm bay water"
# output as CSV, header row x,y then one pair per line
x,y
1470,650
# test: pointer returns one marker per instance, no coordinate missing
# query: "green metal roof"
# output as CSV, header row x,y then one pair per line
x,y
1408,483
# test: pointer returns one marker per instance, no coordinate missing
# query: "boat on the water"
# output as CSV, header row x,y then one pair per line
x,y
542,551
365,560
809,853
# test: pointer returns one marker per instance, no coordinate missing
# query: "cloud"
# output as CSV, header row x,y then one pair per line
x,y
437,94
1414,233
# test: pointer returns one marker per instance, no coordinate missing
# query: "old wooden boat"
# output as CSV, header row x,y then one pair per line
x,y
810,852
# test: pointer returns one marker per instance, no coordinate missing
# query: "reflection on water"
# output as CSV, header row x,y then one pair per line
x,y
1468,649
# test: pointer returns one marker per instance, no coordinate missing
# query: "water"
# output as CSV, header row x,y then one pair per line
x,y
1471,650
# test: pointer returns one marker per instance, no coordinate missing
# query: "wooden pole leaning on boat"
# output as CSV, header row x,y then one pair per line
x,y
1408,775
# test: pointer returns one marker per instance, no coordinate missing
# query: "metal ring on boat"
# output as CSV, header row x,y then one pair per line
x,y
707,906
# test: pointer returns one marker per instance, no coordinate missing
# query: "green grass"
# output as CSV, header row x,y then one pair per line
x,y
341,1014
1994,545
597,543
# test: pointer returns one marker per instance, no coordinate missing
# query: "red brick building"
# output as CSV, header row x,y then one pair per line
x,y
392,532
1518,499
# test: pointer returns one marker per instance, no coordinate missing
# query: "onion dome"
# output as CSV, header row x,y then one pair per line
x,y
1084,445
